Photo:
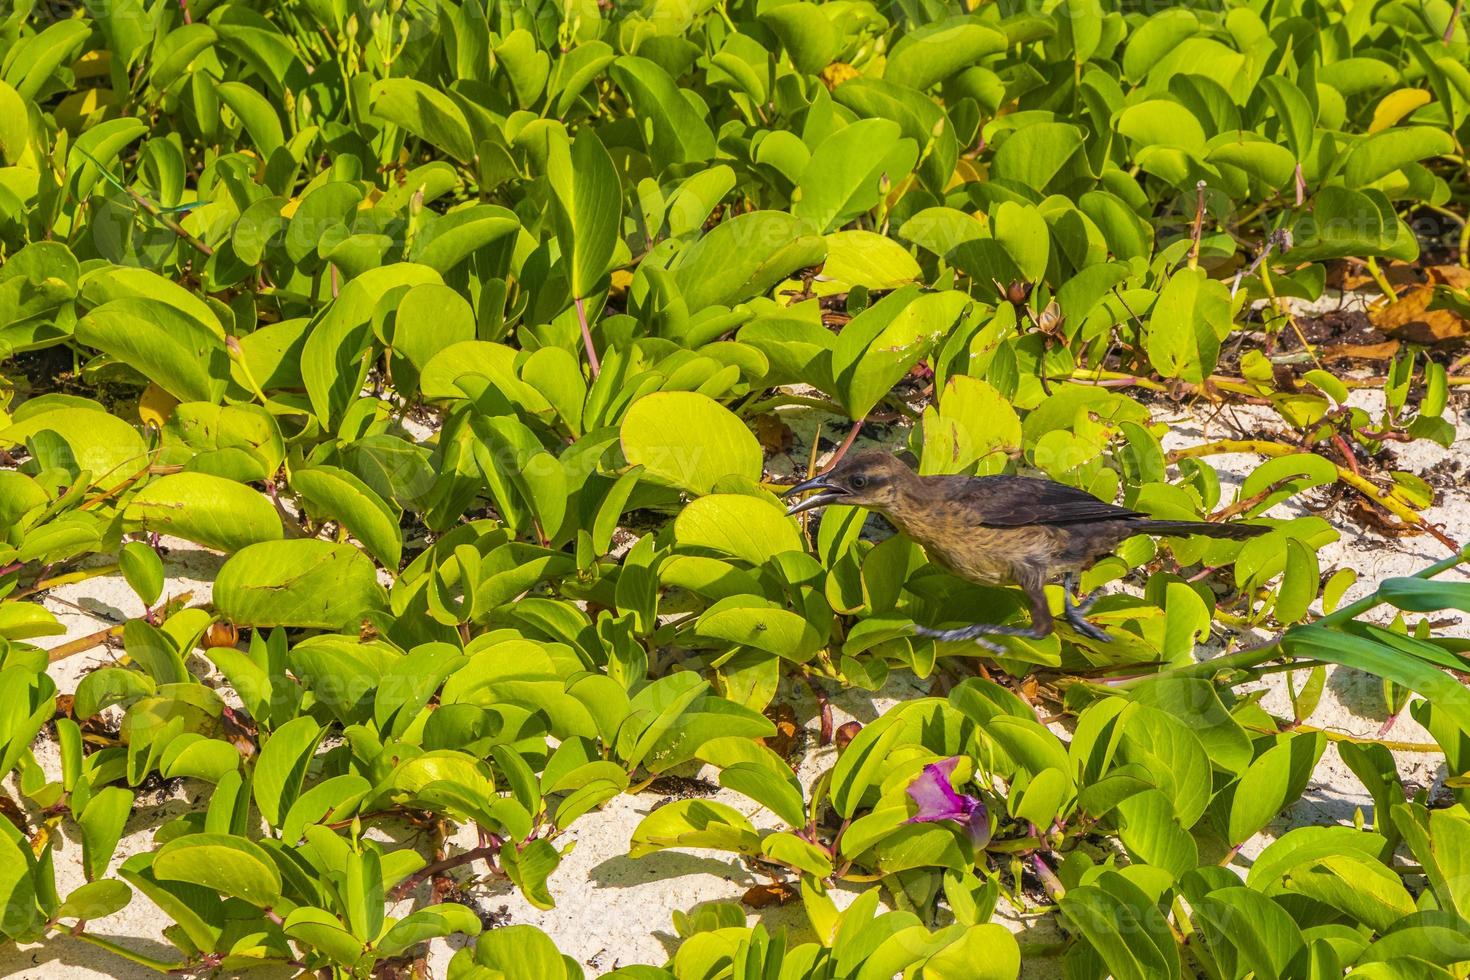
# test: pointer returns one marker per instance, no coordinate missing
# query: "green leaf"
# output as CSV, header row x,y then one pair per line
x,y
335,494
936,51
1162,122
153,650
95,900
333,365
694,823
98,443
142,569
879,346
173,350
863,258
688,440
1294,473
781,794
851,170
230,865
1188,321
1440,840
425,112
860,763
1425,595
734,524
763,625
324,933
281,767
434,922
1331,646
1272,783
15,130
102,822
256,113
982,952
674,131
518,952
529,867
1252,928
19,496
1361,888
1382,153
108,686
797,853
588,208
806,32
1124,927
1038,155
1174,755
209,510
744,257
973,422
298,583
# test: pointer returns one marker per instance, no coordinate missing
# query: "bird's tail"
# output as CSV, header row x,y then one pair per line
x,y
1205,529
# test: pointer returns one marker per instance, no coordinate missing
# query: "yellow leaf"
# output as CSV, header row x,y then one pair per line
x,y
1395,106
93,64
838,72
77,110
621,280
965,172
156,406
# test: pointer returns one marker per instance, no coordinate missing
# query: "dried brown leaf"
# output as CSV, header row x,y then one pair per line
x,y
1409,318
763,896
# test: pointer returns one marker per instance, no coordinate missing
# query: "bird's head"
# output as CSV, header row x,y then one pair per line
x,y
873,479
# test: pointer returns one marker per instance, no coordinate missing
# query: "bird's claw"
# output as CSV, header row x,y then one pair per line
x,y
1088,630
977,634
1076,612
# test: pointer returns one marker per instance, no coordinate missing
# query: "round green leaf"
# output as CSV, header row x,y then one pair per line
x,y
688,440
230,865
205,509
747,527
298,583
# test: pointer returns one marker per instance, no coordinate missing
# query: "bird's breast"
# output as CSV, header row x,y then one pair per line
x,y
988,556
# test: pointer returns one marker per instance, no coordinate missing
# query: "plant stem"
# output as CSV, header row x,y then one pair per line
x,y
846,444
67,579
1383,284
1357,481
1261,653
592,361
485,851
1199,224
82,644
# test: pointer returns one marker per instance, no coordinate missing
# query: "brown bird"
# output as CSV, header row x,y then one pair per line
x,y
999,530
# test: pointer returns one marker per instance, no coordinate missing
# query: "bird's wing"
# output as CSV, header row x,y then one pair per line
x,y
1015,501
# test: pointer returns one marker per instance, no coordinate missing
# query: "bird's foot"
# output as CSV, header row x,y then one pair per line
x,y
1076,615
978,632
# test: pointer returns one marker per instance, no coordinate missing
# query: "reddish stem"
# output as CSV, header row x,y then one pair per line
x,y
587,339
846,445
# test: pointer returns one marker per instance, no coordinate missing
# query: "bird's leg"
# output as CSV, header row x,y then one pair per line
x,y
1033,582
1076,613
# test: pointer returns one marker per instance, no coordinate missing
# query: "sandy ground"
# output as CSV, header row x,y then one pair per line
x,y
613,910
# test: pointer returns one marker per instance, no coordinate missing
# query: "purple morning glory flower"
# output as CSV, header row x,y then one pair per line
x,y
937,801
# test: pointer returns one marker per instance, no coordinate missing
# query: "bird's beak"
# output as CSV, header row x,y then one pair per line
x,y
831,493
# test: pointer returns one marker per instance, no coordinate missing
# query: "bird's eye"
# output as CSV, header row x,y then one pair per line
x,y
858,482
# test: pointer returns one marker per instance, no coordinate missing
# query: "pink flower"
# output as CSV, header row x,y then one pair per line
x,y
937,800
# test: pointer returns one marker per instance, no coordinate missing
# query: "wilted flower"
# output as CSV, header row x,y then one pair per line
x,y
937,800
